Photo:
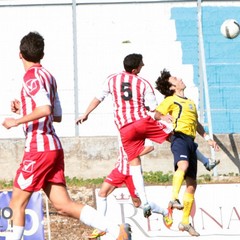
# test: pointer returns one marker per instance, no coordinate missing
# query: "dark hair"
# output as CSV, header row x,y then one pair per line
x,y
132,61
32,47
163,85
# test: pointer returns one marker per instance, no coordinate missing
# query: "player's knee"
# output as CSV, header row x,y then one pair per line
x,y
102,194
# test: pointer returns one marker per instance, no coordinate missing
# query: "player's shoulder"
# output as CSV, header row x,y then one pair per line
x,y
170,98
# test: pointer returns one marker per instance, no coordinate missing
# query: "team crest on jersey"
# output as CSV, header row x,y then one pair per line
x,y
28,165
33,86
191,106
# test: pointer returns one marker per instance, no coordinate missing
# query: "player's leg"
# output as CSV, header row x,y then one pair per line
x,y
188,200
137,178
113,180
207,162
167,215
133,144
18,205
29,178
179,148
177,182
64,205
103,193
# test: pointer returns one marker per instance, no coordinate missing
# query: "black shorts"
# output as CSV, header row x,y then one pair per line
x,y
184,148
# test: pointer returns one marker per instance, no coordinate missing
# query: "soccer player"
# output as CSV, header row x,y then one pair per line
x,y
182,112
130,93
42,165
120,175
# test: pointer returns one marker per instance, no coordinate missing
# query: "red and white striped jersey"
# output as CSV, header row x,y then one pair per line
x,y
122,164
131,95
39,89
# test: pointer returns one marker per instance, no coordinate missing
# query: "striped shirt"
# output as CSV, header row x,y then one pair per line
x,y
130,94
39,89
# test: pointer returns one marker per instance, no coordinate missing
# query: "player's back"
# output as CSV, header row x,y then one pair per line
x,y
128,93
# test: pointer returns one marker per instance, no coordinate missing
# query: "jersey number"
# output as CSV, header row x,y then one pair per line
x,y
126,91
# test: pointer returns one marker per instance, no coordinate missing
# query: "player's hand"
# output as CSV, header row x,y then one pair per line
x,y
15,106
167,118
147,210
81,119
9,123
214,145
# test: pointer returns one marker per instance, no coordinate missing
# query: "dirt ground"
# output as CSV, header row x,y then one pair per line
x,y
63,228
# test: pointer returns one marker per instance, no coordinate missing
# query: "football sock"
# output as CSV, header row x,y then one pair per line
x,y
204,160
136,172
188,199
15,234
93,218
178,178
102,205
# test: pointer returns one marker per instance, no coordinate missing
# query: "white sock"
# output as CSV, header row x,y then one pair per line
x,y
157,209
138,182
16,234
93,218
204,160
102,205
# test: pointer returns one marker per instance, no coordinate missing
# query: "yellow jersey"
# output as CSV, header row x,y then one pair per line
x,y
184,113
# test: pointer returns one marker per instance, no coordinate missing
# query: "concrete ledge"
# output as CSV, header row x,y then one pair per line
x,y
92,157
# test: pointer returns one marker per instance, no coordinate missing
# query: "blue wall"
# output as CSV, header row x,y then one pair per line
x,y
222,61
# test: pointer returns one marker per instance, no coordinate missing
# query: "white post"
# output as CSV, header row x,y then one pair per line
x,y
202,70
48,217
75,62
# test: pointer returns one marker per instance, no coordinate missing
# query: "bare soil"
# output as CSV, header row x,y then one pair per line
x,y
65,228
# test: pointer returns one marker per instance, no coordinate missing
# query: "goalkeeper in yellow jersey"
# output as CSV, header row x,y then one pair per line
x,y
182,113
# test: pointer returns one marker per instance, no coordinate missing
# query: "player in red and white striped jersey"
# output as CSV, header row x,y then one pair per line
x,y
120,176
130,93
40,89
43,161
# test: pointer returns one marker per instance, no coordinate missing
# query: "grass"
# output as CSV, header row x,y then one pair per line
x,y
150,178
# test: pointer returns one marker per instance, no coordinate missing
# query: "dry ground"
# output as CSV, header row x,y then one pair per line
x,y
63,228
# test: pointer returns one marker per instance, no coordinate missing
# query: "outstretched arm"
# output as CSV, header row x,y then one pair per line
x,y
201,131
94,103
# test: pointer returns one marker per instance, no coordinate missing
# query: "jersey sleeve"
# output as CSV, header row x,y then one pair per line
x,y
103,92
150,98
35,89
57,109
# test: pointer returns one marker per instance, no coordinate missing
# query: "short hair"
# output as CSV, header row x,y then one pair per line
x,y
32,47
132,61
163,85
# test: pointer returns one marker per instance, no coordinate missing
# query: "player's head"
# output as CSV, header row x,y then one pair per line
x,y
133,63
168,85
32,47
163,85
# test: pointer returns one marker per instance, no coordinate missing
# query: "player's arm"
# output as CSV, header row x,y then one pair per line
x,y
159,116
211,142
94,103
37,113
57,109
